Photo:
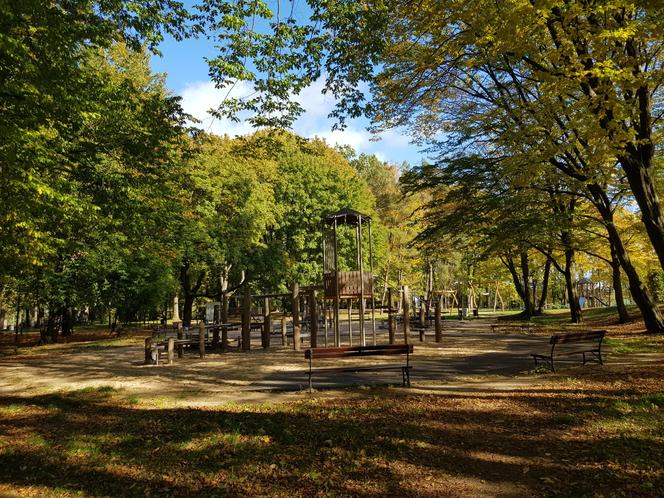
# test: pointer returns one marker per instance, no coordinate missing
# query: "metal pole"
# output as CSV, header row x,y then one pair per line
x,y
350,322
246,317
406,314
313,319
296,316
438,322
363,340
267,323
373,301
337,338
390,316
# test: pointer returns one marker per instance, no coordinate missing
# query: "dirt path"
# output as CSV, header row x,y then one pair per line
x,y
468,350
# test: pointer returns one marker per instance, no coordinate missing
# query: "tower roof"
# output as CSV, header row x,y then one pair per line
x,y
345,216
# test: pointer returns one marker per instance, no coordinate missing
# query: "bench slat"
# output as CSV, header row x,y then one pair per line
x,y
577,337
361,368
350,351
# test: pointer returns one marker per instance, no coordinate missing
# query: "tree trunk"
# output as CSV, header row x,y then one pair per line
x,y
521,283
189,292
651,315
637,163
572,297
187,309
640,177
49,334
67,320
623,316
545,287
525,275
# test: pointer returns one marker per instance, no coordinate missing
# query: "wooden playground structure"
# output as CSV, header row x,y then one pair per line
x,y
313,313
593,294
300,319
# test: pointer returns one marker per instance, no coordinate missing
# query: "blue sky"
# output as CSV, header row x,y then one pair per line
x,y
187,76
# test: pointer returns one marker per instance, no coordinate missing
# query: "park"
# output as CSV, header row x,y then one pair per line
x,y
331,248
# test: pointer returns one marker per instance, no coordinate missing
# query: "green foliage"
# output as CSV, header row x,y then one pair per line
x,y
656,284
53,110
312,180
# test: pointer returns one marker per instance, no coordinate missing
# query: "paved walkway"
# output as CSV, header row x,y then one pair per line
x,y
468,350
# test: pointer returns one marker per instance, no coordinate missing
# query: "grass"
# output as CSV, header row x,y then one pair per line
x,y
591,432
558,321
636,344
58,348
559,317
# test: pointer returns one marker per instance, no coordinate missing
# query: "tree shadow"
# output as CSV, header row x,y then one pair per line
x,y
380,442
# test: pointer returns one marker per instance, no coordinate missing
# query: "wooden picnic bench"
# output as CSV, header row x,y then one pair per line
x,y
355,351
583,343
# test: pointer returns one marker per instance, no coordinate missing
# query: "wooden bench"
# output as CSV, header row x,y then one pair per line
x,y
583,343
355,351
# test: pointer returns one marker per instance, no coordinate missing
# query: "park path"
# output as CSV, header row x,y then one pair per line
x,y
468,350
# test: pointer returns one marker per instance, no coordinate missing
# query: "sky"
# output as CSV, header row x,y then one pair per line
x,y
187,76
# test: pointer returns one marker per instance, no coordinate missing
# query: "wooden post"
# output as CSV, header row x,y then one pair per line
x,y
325,315
350,322
313,319
390,316
423,321
246,318
215,339
363,340
148,350
224,338
296,316
337,326
180,346
201,339
406,314
171,350
438,322
267,324
284,331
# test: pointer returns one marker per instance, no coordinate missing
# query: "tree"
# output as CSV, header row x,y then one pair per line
x,y
223,205
575,85
99,198
48,99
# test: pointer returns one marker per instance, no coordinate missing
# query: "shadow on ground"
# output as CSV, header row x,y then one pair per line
x,y
541,441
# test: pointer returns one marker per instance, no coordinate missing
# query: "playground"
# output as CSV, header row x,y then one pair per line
x,y
324,390
331,249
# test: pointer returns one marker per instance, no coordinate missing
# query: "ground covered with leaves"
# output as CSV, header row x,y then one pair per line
x,y
589,431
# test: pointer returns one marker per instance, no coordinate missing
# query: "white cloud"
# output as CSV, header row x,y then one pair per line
x,y
357,139
199,97
314,122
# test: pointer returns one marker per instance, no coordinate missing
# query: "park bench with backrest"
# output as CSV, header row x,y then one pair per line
x,y
361,351
587,344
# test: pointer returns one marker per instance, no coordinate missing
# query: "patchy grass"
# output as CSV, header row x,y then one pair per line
x,y
558,321
589,432
636,344
89,344
590,315
88,336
